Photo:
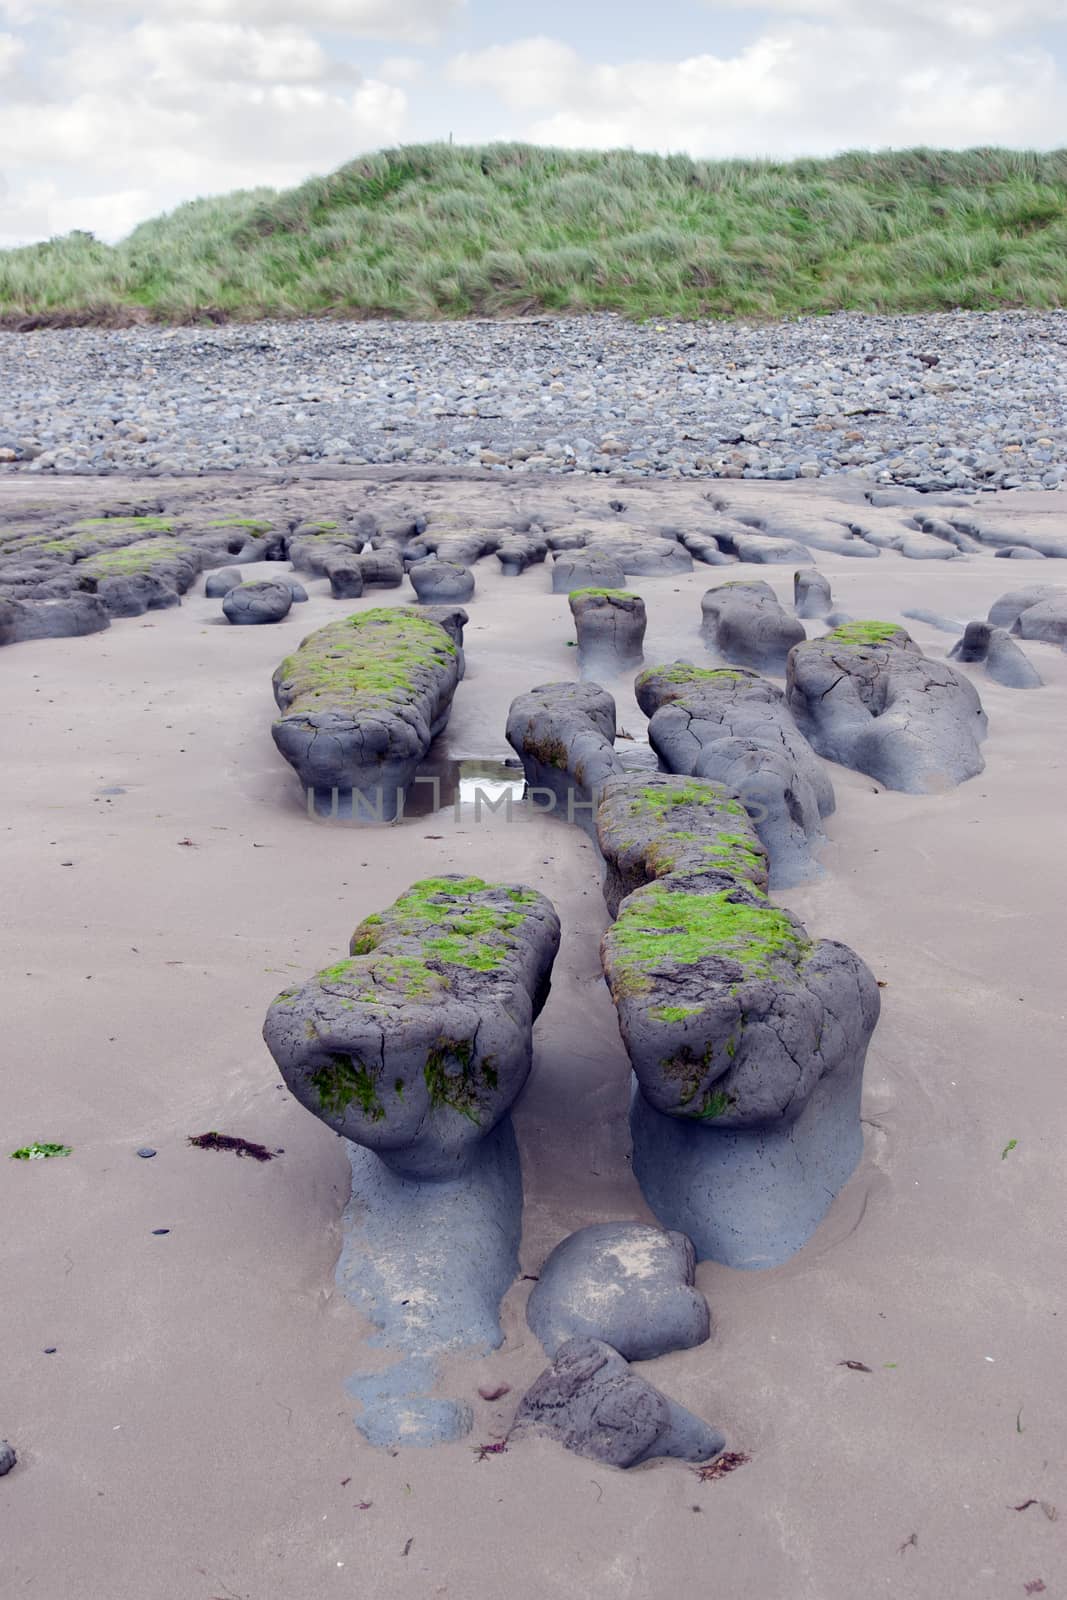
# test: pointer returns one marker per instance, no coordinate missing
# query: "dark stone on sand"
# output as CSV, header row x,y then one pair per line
x,y
216,584
1005,612
866,696
625,1283
382,569
8,1458
520,551
564,734
345,573
1019,552
610,624
593,1403
436,581
747,1038
363,698
1003,659
66,618
580,570
251,604
745,623
811,594
136,593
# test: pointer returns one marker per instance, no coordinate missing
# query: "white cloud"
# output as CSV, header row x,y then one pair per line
x,y
799,88
367,19
10,50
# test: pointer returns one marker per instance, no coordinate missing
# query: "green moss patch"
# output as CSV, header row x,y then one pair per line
x,y
602,594
868,633
373,659
134,559
658,928
344,1079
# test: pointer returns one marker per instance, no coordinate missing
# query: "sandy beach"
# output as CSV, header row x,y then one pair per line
x,y
190,1438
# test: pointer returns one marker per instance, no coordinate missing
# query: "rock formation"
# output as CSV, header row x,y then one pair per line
x,y
624,1283
866,696
592,1402
610,624
747,1038
729,724
361,701
745,623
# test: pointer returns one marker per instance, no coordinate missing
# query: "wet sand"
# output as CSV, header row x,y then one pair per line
x,y
191,1439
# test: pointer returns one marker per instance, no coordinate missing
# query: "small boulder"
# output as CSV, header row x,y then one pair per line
x,y
625,1283
8,1458
252,603
441,581
593,1403
218,583
811,594
578,570
1004,661
746,624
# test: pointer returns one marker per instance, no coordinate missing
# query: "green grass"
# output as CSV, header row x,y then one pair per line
x,y
444,231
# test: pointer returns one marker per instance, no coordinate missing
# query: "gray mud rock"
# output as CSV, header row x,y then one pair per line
x,y
745,623
1006,612
66,618
1002,657
438,581
729,725
746,1037
1019,552
520,551
705,547
593,1403
866,696
8,1458
625,1283
581,570
250,604
362,700
418,1045
216,584
381,569
764,549
1046,620
453,619
297,590
133,595
639,554
811,594
610,624
345,573
651,824
311,549
564,734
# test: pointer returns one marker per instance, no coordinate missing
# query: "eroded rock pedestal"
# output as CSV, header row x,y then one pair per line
x,y
747,1038
414,1048
610,624
361,701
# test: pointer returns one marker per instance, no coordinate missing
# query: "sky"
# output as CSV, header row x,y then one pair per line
x,y
112,111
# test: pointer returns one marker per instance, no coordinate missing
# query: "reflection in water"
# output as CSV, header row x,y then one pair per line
x,y
486,788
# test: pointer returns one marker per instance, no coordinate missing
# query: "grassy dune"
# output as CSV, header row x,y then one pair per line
x,y
443,231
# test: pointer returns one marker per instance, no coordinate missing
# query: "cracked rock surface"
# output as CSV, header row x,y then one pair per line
x,y
564,734
866,696
730,725
610,624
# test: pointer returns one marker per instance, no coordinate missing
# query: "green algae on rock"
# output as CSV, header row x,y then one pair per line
x,y
362,699
418,1043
